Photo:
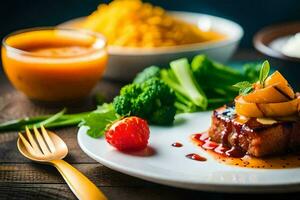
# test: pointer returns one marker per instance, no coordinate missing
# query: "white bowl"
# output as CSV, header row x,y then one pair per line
x,y
125,62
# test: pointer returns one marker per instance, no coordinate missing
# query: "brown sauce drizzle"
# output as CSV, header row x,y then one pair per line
x,y
236,157
176,144
196,157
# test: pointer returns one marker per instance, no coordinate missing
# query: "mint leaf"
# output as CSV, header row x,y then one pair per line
x,y
98,120
264,72
245,87
242,84
246,90
105,108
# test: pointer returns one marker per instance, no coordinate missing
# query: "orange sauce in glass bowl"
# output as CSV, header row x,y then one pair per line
x,y
54,64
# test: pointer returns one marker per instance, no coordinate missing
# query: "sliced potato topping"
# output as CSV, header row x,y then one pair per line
x,y
266,109
266,121
269,94
283,85
274,78
276,99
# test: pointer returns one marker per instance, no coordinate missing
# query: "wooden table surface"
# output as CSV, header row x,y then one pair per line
x,y
23,179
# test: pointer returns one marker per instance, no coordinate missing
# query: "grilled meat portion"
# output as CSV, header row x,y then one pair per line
x,y
253,137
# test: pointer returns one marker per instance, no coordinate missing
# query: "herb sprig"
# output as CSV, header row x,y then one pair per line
x,y
246,87
264,72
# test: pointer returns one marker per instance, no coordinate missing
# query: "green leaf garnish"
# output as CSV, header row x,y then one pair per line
x,y
242,84
98,120
264,72
245,87
246,90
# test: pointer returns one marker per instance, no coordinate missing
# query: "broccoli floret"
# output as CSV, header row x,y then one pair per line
x,y
122,105
163,116
152,100
149,72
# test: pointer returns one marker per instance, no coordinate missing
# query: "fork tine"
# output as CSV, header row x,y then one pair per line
x,y
32,141
48,139
41,141
27,145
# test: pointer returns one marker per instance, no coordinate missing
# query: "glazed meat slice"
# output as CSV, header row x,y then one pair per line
x,y
253,137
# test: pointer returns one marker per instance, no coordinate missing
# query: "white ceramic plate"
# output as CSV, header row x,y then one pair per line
x,y
169,166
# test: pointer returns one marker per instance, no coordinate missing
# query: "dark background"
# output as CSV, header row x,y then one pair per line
x,y
251,14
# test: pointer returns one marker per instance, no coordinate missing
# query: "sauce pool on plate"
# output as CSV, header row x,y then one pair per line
x,y
222,155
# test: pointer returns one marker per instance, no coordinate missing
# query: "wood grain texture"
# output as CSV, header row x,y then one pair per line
x,y
61,191
27,173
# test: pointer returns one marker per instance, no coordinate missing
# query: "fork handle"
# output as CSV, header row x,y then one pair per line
x,y
80,185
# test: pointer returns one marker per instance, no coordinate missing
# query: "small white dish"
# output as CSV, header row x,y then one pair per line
x,y
270,42
125,62
169,166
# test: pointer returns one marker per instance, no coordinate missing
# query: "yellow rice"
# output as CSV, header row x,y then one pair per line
x,y
133,23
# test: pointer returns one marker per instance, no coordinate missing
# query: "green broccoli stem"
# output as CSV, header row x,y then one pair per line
x,y
183,103
183,99
184,75
169,80
181,108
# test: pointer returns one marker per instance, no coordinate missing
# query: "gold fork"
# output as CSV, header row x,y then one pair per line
x,y
48,148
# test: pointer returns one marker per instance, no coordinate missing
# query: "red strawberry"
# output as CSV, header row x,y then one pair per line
x,y
128,134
